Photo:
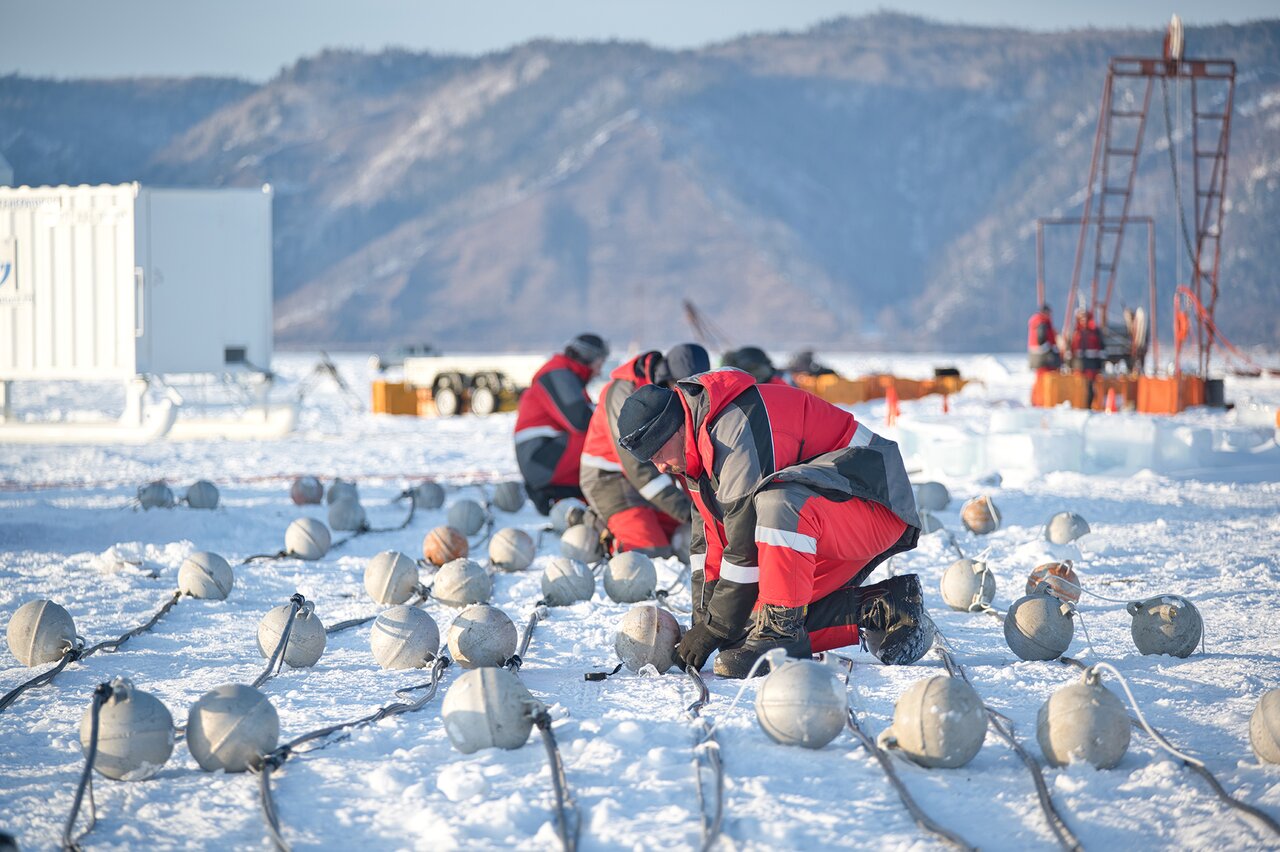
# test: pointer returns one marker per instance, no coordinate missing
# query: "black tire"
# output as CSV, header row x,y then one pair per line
x,y
484,401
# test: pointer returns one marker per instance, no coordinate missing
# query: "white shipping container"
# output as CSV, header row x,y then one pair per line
x,y
109,282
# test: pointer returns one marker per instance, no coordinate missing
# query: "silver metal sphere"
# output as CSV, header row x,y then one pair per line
x,y
647,636
40,632
307,538
482,635
567,513
582,543
135,733
156,495
1167,624
1039,627
202,494
462,582
509,496
467,516
938,722
929,524
391,577
968,586
306,639
404,637
1264,727
206,575
1065,527
428,495
347,516
231,728
802,704
488,708
932,497
630,577
511,549
342,490
1083,721
566,581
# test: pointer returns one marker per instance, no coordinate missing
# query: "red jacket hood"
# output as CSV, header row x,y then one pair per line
x,y
717,388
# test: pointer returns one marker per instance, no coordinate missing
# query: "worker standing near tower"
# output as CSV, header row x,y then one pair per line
x,y
1086,352
1042,350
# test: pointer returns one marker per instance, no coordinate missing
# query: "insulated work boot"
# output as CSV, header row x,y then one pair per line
x,y
892,620
775,627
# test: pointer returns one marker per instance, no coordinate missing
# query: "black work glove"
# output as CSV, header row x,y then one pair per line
x,y
696,646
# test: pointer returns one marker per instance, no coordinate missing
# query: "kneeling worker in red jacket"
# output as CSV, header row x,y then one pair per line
x,y
641,506
797,503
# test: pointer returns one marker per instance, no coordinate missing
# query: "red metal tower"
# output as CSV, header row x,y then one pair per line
x,y
1117,146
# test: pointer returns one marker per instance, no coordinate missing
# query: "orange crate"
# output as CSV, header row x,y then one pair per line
x,y
1169,394
393,398
835,389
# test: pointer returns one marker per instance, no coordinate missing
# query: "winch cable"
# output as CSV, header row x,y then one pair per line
x,y
566,812
276,758
421,594
567,822
921,818
78,652
706,758
101,694
1139,721
296,603
1003,727
517,660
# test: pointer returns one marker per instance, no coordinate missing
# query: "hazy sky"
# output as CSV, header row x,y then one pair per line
x,y
255,38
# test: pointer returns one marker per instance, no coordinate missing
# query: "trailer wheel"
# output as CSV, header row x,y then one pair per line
x,y
447,402
483,401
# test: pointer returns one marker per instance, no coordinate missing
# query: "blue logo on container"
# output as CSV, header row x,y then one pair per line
x,y
5,269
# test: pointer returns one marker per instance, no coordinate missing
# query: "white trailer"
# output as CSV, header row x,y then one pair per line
x,y
129,282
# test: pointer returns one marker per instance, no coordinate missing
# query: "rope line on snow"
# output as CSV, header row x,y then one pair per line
x,y
706,758
421,593
517,659
567,822
1004,729
78,652
1139,721
276,758
921,818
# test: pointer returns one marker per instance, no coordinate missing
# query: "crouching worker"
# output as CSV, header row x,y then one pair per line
x,y
551,422
641,506
797,503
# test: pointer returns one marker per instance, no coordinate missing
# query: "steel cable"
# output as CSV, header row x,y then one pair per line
x,y
706,755
100,696
566,811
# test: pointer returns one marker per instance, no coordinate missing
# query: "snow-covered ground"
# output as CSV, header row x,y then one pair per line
x,y
70,530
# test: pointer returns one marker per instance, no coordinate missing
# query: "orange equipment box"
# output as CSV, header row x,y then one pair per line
x,y
1053,389
837,389
394,398
1169,394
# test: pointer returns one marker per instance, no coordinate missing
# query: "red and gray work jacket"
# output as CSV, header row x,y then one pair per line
x,y
747,436
613,481
1042,349
551,423
1086,347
